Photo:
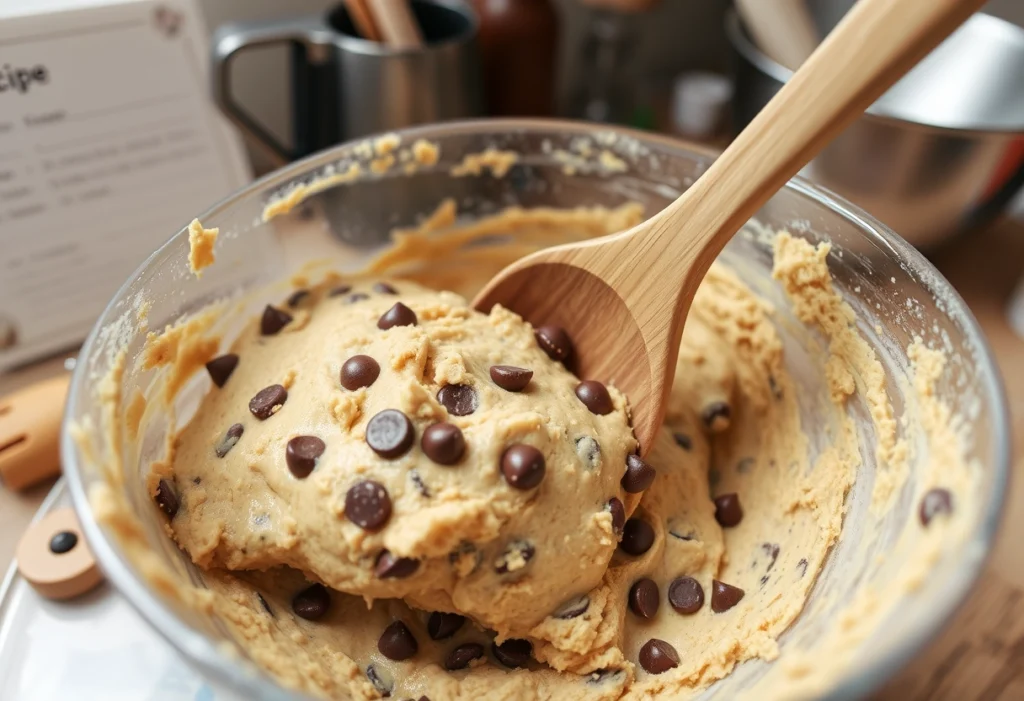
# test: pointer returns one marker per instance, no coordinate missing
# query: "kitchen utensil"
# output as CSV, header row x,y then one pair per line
x,y
363,19
344,86
941,152
624,298
29,431
396,23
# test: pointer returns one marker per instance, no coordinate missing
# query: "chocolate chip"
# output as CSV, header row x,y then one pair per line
x,y
356,297
618,512
511,378
935,502
716,416
637,537
459,400
514,557
639,475
384,288
268,401
390,567
772,551
462,656
265,605
574,607
229,441
301,454
397,642
166,499
197,480
296,298
724,596
595,397
728,511
390,434
340,290
359,371
513,653
421,486
443,443
657,656
644,598
685,595
381,679
523,466
62,542
442,625
220,369
368,505
273,320
398,315
312,602
683,441
589,452
554,341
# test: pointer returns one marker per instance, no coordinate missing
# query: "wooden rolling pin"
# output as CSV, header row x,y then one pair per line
x,y
30,432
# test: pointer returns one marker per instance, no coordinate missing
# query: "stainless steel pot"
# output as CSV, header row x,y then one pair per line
x,y
941,152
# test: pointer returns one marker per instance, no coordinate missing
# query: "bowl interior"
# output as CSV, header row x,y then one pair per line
x,y
897,295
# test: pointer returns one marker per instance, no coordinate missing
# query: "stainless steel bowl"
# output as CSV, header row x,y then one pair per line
x,y
941,152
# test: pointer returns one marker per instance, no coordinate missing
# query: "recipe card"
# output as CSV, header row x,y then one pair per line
x,y
109,144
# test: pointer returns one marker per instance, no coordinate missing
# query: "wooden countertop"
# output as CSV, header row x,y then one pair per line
x,y
980,655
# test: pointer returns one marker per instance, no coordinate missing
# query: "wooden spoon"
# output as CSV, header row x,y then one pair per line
x,y
623,298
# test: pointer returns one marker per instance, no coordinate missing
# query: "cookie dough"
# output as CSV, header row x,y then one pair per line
x,y
391,442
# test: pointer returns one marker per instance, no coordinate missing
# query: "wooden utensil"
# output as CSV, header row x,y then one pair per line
x,y
363,19
30,432
783,29
623,298
396,22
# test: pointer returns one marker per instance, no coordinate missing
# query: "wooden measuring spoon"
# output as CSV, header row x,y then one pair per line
x,y
623,298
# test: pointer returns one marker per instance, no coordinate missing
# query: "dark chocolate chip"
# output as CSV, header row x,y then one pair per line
x,y
421,486
359,371
390,434
618,511
716,416
356,297
683,441
312,602
459,400
772,551
637,537
523,466
390,567
554,341
516,556
657,656
724,596
381,679
340,290
644,598
397,642
273,320
639,475
511,378
267,401
166,498
574,607
442,625
398,315
728,511
296,298
384,288
513,653
63,542
265,605
935,502
595,397
368,505
686,595
462,656
220,368
443,443
588,451
301,454
229,440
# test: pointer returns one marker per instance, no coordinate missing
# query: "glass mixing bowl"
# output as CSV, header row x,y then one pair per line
x,y
896,293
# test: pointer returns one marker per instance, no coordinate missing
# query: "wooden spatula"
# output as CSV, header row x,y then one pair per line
x,y
623,298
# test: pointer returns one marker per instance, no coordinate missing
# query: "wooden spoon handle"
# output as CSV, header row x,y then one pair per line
x,y
396,23
875,44
363,19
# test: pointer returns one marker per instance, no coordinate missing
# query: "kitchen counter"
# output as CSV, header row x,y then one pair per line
x,y
980,655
